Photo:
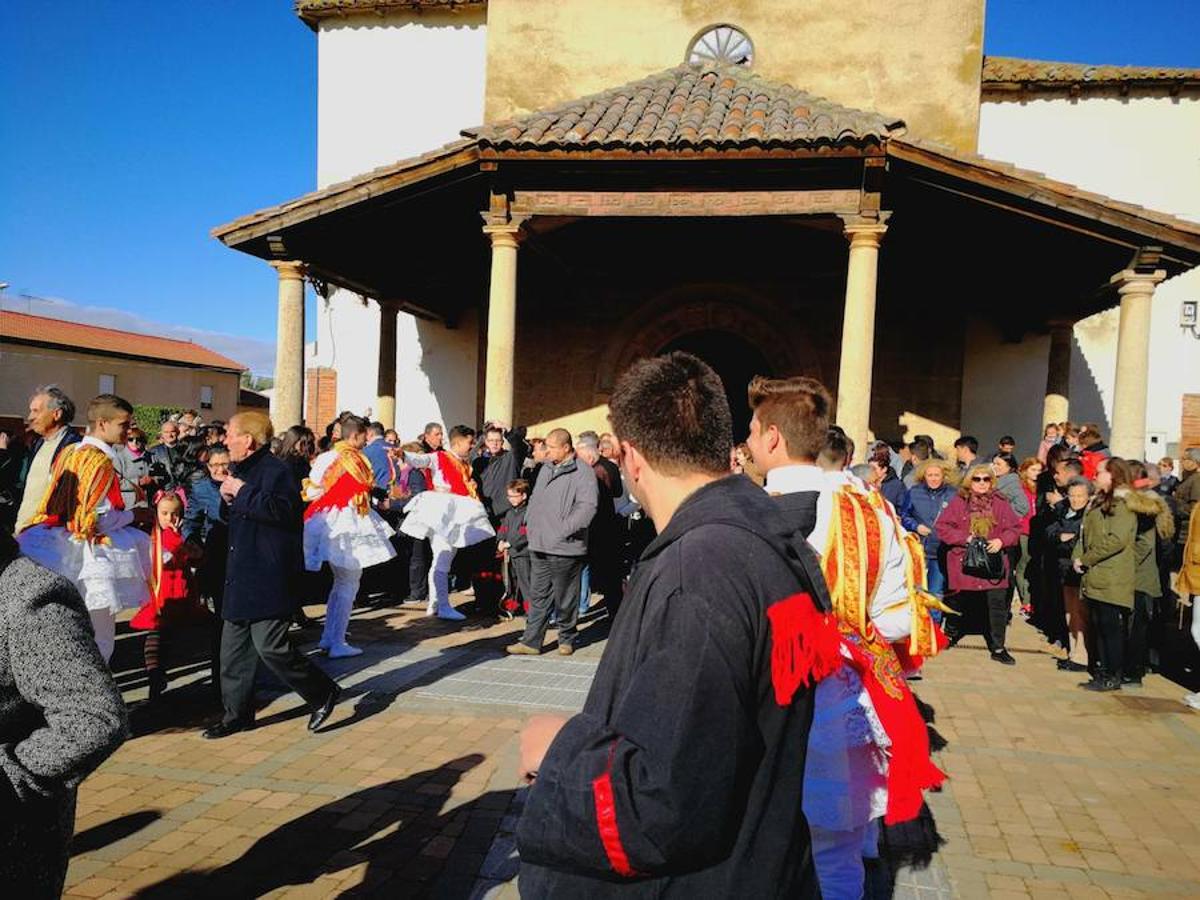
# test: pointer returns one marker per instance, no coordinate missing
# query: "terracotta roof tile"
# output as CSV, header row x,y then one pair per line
x,y
312,10
1007,70
691,106
17,326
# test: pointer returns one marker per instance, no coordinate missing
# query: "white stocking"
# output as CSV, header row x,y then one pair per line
x,y
337,611
439,580
105,626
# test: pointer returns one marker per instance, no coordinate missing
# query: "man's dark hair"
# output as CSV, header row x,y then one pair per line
x,y
881,457
673,409
1007,439
376,429
103,406
217,450
494,429
352,425
1074,464
519,486
462,431
969,442
837,449
57,399
799,407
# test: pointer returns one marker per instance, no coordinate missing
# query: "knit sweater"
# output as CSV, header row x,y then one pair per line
x,y
61,715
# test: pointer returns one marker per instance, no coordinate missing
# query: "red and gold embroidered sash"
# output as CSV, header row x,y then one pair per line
x,y
82,477
457,474
347,482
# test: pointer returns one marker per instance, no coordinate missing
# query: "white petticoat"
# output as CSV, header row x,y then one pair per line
x,y
347,540
461,521
114,575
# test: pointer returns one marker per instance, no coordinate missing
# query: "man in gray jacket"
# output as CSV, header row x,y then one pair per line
x,y
561,508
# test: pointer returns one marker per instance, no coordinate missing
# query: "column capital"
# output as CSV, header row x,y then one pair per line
x,y
863,229
291,269
503,231
1131,281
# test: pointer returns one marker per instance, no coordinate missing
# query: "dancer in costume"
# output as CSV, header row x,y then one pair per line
x,y
450,515
341,528
82,530
868,750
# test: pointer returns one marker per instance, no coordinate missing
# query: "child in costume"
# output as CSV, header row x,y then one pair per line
x,y
174,600
513,545
82,530
450,515
341,528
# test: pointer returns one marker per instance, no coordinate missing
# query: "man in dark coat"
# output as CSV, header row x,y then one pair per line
x,y
61,715
683,774
265,561
206,524
493,468
604,534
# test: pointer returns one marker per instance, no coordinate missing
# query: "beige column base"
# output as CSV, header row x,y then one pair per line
x,y
287,405
1133,362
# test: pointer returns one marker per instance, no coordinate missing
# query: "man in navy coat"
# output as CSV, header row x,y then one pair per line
x,y
264,563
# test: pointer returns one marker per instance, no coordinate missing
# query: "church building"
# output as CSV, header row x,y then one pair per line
x,y
518,198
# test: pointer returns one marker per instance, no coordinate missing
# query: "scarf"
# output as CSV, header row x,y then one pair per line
x,y
982,517
82,477
346,483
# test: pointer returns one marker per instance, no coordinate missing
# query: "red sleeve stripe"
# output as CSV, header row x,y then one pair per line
x,y
606,821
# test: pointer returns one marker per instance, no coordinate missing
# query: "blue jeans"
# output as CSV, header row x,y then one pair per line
x,y
937,583
585,589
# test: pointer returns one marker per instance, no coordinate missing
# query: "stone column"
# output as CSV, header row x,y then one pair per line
x,y
1056,406
287,405
1133,361
858,329
501,322
385,384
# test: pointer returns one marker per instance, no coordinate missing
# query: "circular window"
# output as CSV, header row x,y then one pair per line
x,y
725,44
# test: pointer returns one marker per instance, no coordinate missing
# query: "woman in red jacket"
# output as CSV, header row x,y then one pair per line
x,y
978,513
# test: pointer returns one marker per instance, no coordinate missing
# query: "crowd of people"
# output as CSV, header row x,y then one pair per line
x,y
768,603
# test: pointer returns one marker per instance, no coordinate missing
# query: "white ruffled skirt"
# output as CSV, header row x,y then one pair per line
x,y
347,540
460,521
114,575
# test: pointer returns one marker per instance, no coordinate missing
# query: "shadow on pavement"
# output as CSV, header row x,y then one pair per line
x,y
112,831
396,831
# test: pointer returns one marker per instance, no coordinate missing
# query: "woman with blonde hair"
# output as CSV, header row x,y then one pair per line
x,y
977,527
933,489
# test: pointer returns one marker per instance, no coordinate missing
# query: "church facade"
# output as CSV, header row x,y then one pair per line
x,y
517,199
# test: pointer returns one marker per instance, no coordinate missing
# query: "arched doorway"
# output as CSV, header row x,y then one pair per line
x,y
735,360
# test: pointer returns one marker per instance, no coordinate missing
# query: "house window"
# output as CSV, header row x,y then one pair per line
x,y
206,396
723,44
108,384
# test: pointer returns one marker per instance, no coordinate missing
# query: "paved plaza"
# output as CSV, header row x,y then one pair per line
x,y
411,790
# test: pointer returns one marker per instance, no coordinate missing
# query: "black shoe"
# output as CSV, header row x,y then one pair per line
x,y
1067,665
158,683
1003,656
953,641
225,729
1102,685
321,713
1131,681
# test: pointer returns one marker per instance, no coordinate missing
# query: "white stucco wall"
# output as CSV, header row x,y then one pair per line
x,y
1141,150
394,86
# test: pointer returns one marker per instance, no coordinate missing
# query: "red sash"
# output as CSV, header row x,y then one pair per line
x,y
457,474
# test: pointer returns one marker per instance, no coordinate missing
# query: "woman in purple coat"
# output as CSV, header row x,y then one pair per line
x,y
979,512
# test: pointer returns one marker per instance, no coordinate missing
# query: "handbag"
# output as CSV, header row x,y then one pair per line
x,y
978,563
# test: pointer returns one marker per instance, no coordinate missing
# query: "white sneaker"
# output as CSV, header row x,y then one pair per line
x,y
1192,700
343,650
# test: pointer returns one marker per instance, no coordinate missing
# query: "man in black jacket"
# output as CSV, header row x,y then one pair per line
x,y
683,774
265,561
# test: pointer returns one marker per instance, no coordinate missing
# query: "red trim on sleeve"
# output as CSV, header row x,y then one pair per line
x,y
606,820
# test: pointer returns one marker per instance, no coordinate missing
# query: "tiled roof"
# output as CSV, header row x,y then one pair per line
x,y
17,326
312,10
1007,70
689,107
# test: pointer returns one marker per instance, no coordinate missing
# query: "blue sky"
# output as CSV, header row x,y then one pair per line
x,y
132,127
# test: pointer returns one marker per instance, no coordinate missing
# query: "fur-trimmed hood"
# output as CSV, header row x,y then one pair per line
x,y
1149,504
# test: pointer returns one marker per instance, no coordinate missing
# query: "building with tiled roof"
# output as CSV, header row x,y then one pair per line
x,y
86,360
649,178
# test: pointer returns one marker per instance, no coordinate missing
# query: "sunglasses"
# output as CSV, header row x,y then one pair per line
x,y
981,479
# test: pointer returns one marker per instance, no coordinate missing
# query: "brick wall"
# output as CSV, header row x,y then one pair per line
x,y
320,397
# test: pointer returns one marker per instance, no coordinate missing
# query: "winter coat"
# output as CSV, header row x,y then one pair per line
x,y
512,529
561,508
265,541
376,453
1156,528
493,473
1010,488
61,715
1091,458
1187,495
131,469
922,506
954,530
683,774
1063,520
892,489
71,436
1189,571
1107,548
206,524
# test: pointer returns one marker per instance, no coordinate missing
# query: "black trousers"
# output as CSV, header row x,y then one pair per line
x,y
419,559
555,584
993,606
243,644
521,569
1138,629
1108,624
